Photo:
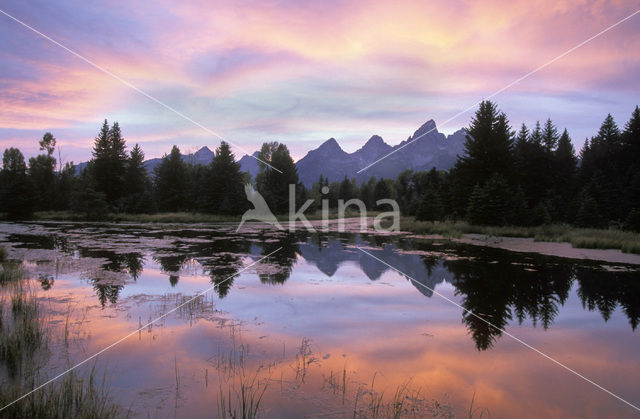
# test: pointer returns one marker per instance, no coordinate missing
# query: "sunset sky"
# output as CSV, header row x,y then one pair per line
x,y
301,72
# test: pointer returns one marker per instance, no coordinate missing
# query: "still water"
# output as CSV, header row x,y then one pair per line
x,y
322,329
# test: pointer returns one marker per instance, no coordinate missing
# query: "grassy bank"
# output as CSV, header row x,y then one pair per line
x,y
588,238
171,217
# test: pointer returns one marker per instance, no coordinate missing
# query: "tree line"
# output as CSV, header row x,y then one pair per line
x,y
534,177
529,177
116,181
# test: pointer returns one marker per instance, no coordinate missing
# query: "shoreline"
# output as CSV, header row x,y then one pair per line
x,y
559,249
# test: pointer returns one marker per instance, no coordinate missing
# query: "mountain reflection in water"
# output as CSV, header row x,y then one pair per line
x,y
497,285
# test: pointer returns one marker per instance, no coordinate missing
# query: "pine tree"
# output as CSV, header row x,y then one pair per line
x,y
631,137
272,184
170,182
550,136
109,163
522,138
101,143
588,214
346,191
536,134
565,168
137,183
546,176
488,149
489,144
609,133
430,207
366,192
117,144
405,192
118,163
601,170
381,191
494,203
630,166
225,183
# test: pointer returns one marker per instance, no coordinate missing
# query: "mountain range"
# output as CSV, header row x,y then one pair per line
x,y
431,149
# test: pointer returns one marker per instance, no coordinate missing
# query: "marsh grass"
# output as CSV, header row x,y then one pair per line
x,y
626,241
304,358
401,401
72,396
24,348
10,272
242,396
22,337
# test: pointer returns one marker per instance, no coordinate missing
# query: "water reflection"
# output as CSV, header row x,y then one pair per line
x,y
497,285
604,291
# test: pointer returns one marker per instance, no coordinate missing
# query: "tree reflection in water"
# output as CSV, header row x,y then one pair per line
x,y
497,285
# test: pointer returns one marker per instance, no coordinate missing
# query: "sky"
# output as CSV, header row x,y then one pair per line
x,y
303,72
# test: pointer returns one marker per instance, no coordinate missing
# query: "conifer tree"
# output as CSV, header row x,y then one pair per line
x,y
600,170
170,182
137,183
109,163
381,191
631,137
430,206
565,167
489,144
273,184
550,136
346,191
536,134
489,151
522,138
225,183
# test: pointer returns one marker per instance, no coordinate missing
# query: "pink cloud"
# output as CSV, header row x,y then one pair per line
x,y
230,64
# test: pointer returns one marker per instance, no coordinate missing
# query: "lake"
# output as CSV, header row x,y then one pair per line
x,y
325,326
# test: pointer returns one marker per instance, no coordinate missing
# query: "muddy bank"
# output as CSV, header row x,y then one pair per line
x,y
528,245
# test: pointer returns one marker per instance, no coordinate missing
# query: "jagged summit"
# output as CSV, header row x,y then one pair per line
x,y
430,149
204,151
427,128
375,142
331,145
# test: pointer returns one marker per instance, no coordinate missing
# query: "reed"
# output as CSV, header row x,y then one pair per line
x,y
24,347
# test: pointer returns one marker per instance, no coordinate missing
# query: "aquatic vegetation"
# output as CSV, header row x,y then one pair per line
x,y
9,272
72,396
24,347
242,396
239,394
